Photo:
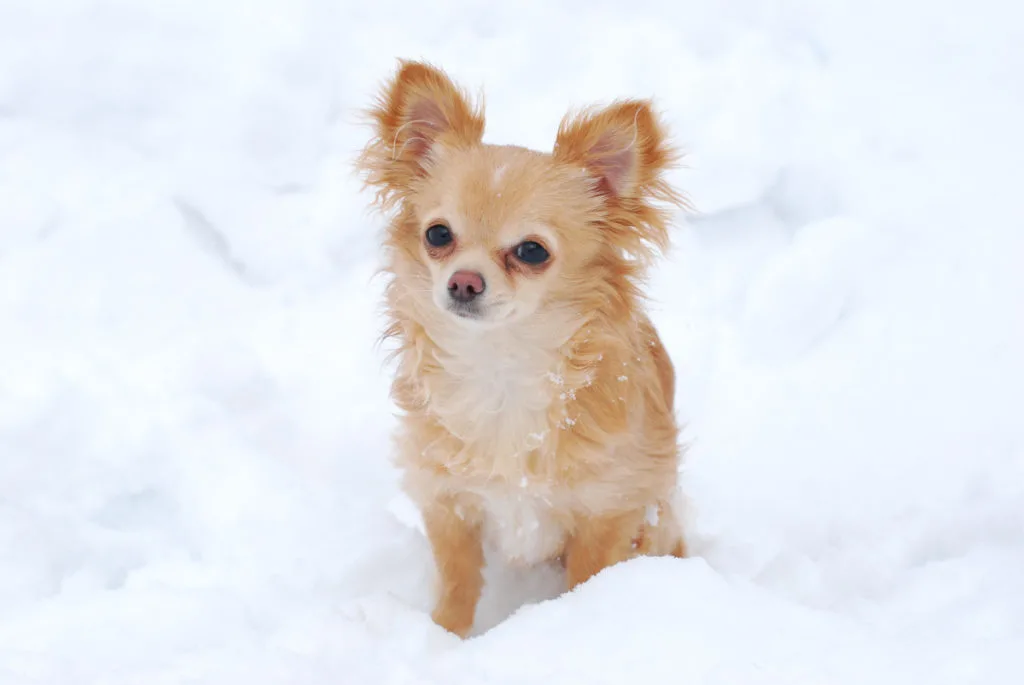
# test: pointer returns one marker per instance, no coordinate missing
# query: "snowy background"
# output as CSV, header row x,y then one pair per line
x,y
194,476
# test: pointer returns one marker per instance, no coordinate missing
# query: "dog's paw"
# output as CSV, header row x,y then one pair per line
x,y
454,619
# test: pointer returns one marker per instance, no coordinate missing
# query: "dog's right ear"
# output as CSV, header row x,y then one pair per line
x,y
419,111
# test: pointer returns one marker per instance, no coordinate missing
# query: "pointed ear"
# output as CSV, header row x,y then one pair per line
x,y
624,149
418,111
622,146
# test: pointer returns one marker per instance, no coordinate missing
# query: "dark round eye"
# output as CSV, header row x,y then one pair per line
x,y
439,235
531,252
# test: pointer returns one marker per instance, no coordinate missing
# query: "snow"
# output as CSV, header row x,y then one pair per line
x,y
194,414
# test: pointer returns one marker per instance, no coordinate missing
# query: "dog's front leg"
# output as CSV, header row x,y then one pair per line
x,y
598,542
458,553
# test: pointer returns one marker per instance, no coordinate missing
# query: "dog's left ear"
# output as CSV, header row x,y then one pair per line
x,y
624,149
623,146
419,111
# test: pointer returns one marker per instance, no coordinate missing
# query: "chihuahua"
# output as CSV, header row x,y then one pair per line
x,y
535,396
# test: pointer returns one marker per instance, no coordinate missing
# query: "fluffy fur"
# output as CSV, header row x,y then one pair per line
x,y
539,421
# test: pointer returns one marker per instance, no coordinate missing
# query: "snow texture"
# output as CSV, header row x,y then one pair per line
x,y
194,457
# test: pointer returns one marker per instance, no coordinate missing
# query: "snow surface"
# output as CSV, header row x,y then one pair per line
x,y
194,477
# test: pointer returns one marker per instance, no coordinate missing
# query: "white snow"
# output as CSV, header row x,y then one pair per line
x,y
194,417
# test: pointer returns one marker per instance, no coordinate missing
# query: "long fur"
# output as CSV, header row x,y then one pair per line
x,y
546,430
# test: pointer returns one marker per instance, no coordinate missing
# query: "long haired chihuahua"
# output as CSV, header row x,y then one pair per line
x,y
536,397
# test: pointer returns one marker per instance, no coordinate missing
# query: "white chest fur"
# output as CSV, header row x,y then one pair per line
x,y
493,393
521,526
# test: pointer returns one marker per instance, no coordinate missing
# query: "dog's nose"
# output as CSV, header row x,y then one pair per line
x,y
464,286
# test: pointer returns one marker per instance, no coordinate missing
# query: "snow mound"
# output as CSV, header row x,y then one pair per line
x,y
194,416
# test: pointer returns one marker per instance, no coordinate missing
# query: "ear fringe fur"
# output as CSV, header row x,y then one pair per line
x,y
638,219
386,163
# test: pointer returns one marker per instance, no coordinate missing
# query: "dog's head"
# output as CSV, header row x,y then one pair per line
x,y
491,235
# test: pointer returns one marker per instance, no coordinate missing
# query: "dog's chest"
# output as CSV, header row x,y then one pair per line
x,y
495,395
522,525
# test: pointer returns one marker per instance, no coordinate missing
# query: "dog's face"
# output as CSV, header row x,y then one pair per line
x,y
494,235
502,233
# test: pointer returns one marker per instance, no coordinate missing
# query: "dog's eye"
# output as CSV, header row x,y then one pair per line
x,y
439,235
531,252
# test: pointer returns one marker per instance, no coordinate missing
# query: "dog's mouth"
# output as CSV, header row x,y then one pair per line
x,y
466,310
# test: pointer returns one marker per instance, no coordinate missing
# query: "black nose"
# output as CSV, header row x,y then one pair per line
x,y
464,286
